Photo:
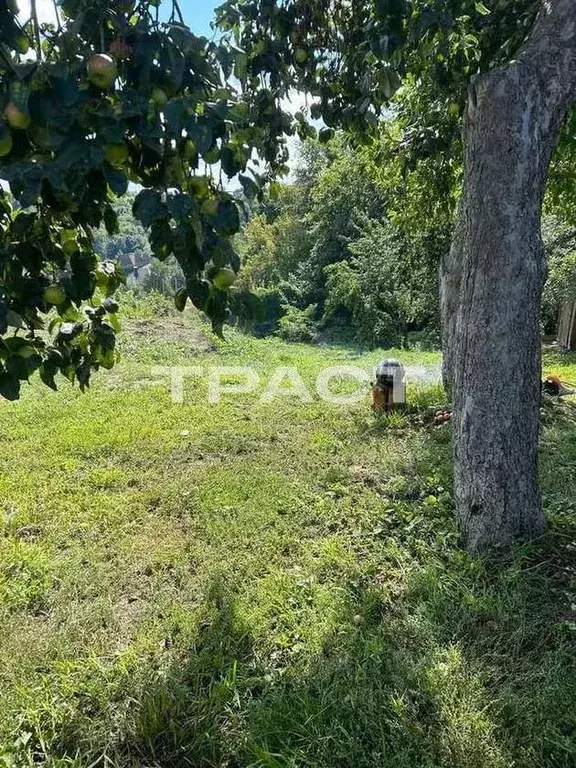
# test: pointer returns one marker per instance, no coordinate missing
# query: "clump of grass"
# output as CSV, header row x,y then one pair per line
x,y
137,304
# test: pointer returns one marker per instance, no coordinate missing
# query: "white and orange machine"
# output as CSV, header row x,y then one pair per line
x,y
389,387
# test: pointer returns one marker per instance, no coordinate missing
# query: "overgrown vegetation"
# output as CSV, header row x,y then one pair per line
x,y
560,241
274,582
337,261
268,584
331,257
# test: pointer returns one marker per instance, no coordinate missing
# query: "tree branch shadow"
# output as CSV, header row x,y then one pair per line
x,y
469,663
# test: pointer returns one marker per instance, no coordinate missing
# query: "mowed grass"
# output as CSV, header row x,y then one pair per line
x,y
269,584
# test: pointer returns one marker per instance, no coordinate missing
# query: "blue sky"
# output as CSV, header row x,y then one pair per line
x,y
197,14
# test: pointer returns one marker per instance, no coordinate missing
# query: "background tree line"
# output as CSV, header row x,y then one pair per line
x,y
335,252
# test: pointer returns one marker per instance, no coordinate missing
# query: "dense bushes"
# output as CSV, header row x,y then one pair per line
x,y
298,324
345,258
337,262
388,288
341,251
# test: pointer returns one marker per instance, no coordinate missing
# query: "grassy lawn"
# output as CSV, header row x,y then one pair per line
x,y
269,584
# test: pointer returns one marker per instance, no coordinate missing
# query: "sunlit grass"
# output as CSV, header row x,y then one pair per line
x,y
269,584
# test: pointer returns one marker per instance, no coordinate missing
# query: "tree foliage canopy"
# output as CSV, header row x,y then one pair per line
x,y
361,61
113,96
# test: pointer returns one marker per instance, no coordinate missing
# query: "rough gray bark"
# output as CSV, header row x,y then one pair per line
x,y
493,279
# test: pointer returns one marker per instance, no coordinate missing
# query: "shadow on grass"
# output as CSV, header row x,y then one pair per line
x,y
467,663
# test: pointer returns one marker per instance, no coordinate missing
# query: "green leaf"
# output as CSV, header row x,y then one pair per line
x,y
117,180
198,290
201,134
175,114
179,205
227,219
148,207
110,305
481,8
216,309
47,372
161,239
275,189
114,322
111,221
13,319
251,189
17,368
9,386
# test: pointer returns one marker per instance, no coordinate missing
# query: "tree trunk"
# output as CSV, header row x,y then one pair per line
x,y
493,278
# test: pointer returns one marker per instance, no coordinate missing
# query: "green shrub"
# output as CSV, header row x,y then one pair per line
x,y
389,288
137,303
272,310
299,324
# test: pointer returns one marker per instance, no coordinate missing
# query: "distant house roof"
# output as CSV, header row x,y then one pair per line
x,y
132,261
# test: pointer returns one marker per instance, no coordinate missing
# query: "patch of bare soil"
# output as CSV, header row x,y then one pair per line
x,y
171,329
